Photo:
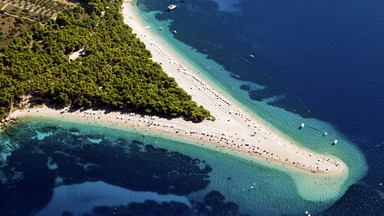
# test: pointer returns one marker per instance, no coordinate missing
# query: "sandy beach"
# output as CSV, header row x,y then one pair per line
x,y
234,130
234,127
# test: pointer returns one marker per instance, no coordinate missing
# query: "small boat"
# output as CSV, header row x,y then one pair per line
x,y
252,56
302,125
161,28
335,142
171,7
174,32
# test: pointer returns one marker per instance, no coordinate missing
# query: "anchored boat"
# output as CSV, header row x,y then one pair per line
x,y
171,7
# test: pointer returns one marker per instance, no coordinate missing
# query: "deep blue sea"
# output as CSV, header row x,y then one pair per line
x,y
318,62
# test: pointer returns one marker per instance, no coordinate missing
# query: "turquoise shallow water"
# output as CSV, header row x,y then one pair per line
x,y
319,60
94,166
312,136
50,160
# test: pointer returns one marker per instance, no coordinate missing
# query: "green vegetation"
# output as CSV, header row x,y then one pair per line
x,y
114,72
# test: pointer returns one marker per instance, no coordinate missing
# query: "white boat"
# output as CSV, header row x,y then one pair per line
x,y
335,142
171,7
302,125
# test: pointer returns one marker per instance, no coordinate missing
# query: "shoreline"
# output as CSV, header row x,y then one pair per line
x,y
228,112
235,130
179,130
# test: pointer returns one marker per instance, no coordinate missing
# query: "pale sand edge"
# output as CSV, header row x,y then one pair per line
x,y
220,104
233,129
173,129
311,186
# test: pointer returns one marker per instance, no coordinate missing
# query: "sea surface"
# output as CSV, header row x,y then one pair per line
x,y
290,62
